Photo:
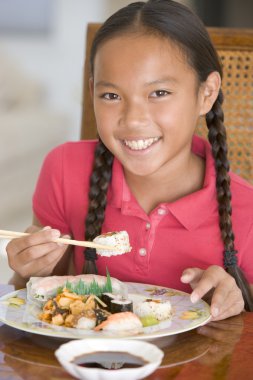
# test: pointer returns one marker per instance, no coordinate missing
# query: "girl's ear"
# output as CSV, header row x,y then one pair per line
x,y
91,87
209,92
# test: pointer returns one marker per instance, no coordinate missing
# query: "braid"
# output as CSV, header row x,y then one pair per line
x,y
217,139
99,183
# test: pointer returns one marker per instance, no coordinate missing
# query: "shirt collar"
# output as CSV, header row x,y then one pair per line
x,y
191,210
120,196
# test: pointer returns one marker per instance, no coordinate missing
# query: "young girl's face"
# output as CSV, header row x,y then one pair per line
x,y
147,102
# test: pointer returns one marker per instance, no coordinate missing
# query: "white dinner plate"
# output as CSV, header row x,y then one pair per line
x,y
186,316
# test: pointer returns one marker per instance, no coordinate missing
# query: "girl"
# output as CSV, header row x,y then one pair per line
x,y
154,72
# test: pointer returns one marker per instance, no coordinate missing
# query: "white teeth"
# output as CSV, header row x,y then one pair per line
x,y
140,144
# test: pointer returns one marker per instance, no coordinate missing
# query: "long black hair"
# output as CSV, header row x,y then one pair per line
x,y
179,24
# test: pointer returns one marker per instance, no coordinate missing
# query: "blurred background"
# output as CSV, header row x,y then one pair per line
x,y
42,45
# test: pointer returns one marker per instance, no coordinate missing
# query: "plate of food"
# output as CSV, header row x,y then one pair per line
x,y
93,306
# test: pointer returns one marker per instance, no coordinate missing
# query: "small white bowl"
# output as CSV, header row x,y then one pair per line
x,y
68,352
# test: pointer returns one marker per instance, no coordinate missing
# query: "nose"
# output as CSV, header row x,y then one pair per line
x,y
135,115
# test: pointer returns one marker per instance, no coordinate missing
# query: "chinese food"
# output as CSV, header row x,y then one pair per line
x,y
90,312
96,303
72,310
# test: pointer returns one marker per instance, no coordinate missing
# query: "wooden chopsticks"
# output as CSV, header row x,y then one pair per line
x,y
12,235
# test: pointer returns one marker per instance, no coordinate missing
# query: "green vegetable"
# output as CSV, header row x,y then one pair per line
x,y
108,283
148,320
82,288
60,290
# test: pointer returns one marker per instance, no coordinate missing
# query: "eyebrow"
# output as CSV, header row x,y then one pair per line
x,y
164,80
103,83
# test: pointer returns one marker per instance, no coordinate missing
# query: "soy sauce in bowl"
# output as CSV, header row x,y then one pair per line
x,y
111,360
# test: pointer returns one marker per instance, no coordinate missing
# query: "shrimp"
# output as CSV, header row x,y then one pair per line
x,y
121,322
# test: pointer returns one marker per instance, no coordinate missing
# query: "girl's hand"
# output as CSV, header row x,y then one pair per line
x,y
35,254
226,298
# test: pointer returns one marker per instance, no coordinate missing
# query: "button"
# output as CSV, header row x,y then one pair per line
x,y
161,211
148,225
142,252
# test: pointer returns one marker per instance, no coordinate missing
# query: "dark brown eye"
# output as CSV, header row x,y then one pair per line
x,y
160,93
110,96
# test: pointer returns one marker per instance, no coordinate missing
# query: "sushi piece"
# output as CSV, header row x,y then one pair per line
x,y
118,239
117,303
126,321
121,305
156,308
107,298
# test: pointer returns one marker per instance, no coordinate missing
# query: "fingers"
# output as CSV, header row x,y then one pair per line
x,y
44,264
210,278
37,238
34,228
37,253
47,263
191,276
227,298
231,304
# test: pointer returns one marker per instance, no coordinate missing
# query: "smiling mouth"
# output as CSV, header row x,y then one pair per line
x,y
140,144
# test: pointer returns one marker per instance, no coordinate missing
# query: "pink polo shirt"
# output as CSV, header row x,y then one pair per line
x,y
174,236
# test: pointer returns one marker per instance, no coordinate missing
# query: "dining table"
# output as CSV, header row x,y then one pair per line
x,y
216,351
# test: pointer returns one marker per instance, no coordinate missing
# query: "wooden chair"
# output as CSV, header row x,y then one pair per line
x,y
235,47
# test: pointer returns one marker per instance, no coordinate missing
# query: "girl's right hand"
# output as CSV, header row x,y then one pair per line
x,y
35,254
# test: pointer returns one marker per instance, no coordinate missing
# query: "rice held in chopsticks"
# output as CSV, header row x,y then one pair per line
x,y
118,239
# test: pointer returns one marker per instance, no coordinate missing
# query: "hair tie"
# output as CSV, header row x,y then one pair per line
x,y
230,259
90,254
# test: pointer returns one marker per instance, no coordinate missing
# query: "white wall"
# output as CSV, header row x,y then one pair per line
x,y
56,60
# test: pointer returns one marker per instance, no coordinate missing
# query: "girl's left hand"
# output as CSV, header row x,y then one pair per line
x,y
227,298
